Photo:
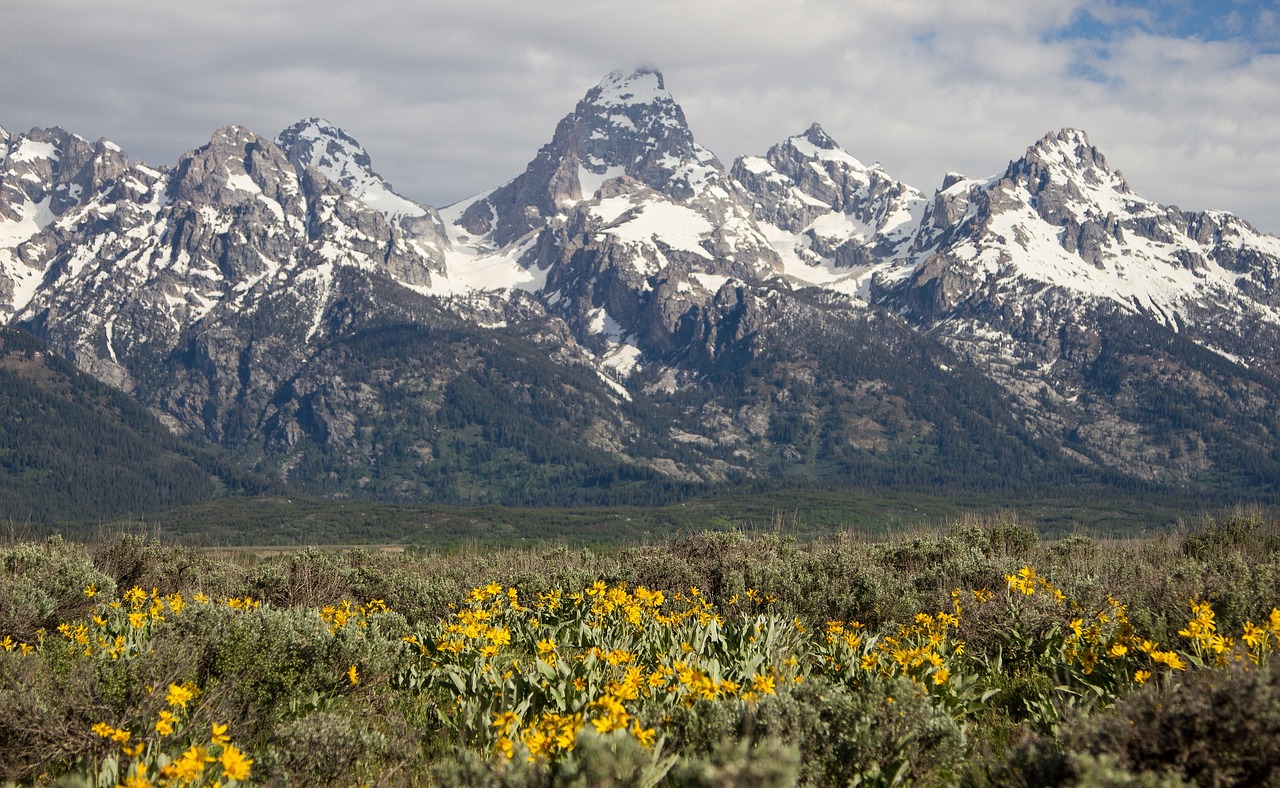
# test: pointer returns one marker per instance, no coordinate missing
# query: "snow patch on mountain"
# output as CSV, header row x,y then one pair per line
x,y
33,217
647,222
1061,217
623,358
622,89
472,264
590,181
823,209
30,150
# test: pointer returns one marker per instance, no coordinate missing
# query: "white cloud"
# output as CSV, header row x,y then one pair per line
x,y
454,98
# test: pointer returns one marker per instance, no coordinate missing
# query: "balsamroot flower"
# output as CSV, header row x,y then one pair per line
x,y
235,766
181,694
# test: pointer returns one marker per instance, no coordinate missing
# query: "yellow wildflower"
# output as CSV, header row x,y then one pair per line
x,y
180,695
235,766
189,765
164,725
765,684
504,721
1169,658
505,747
1253,635
1023,582
645,736
353,675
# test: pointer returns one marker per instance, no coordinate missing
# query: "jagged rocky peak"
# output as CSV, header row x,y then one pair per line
x,y
43,158
55,171
232,168
627,125
630,123
51,182
850,214
819,137
815,145
317,143
1070,148
1066,157
817,164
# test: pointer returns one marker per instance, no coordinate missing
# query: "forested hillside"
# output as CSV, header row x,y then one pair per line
x,y
71,447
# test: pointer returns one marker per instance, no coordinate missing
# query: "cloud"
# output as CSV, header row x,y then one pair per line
x,y
454,98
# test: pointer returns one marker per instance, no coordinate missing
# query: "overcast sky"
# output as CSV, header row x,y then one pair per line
x,y
453,98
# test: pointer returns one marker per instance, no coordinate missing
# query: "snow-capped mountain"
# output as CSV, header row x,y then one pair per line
x,y
1059,216
629,311
834,220
629,223
115,261
318,144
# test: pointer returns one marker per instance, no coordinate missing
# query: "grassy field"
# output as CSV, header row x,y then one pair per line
x,y
975,653
802,514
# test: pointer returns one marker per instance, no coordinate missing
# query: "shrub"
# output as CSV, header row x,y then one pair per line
x,y
319,749
43,584
1212,727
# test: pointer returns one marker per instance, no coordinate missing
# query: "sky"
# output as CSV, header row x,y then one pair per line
x,y
454,98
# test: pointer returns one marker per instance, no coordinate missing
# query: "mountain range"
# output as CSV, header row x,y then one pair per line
x,y
631,320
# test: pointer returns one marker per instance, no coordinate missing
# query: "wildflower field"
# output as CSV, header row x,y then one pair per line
x,y
974,655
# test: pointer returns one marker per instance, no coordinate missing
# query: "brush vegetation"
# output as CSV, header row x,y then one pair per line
x,y
976,654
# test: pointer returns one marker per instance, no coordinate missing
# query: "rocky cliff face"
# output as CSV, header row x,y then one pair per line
x,y
626,312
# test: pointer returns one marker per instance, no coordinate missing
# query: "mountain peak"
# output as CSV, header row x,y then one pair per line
x,y
317,143
319,125
234,135
1068,136
817,146
819,137
640,87
1068,147
628,124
